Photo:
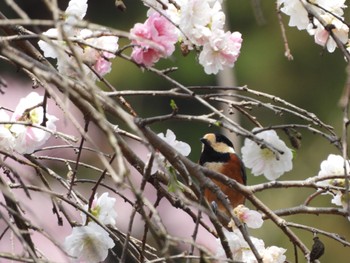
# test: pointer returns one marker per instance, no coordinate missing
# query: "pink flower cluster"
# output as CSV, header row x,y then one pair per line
x,y
153,40
24,138
199,26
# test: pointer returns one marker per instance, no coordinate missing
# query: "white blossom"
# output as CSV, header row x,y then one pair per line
x,y
103,209
239,247
242,252
334,165
179,146
88,243
76,9
297,13
262,160
274,254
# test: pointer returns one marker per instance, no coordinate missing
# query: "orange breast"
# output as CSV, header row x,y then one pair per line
x,y
233,170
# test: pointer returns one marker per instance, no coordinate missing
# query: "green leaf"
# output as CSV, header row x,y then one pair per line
x,y
218,123
173,184
173,105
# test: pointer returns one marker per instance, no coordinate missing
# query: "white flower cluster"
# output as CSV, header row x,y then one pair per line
x,y
318,17
90,243
242,252
335,166
240,248
95,49
264,161
201,26
25,139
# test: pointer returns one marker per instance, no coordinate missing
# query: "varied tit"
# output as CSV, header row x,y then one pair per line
x,y
219,155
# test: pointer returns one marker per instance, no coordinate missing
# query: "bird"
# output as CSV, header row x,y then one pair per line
x,y
218,154
317,249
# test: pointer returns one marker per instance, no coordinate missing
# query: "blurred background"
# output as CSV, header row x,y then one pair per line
x,y
314,80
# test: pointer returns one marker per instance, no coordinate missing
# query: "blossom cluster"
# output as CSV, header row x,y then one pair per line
x,y
90,243
318,17
263,160
240,249
93,48
197,24
24,138
242,252
335,165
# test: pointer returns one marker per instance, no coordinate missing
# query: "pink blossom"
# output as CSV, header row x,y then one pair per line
x,y
102,66
322,36
221,50
93,54
252,218
153,40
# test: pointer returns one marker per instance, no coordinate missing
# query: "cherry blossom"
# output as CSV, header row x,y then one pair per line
x,y
88,243
27,138
243,253
201,27
239,247
262,160
179,146
334,165
194,20
274,254
221,51
153,40
95,48
323,12
297,12
322,35
170,138
76,10
252,218
103,209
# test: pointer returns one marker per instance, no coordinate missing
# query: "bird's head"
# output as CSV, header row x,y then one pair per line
x,y
217,142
